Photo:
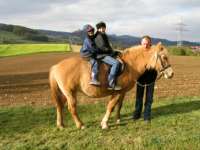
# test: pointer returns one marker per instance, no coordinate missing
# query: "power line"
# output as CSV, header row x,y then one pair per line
x,y
180,28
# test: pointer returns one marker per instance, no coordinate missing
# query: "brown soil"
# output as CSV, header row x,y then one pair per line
x,y
24,79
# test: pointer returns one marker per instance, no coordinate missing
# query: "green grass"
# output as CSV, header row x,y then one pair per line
x,y
175,125
23,49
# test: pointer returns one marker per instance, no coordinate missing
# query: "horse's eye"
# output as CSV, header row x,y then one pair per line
x,y
164,57
161,49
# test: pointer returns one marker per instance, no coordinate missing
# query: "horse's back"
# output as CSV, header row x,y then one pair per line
x,y
68,71
75,74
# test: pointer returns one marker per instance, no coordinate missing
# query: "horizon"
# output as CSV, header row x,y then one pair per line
x,y
108,33
157,19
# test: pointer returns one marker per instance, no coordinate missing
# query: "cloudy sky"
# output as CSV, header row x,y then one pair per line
x,y
158,18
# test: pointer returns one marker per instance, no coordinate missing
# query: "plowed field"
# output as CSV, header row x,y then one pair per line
x,y
24,79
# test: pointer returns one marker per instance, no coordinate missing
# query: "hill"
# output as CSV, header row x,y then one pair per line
x,y
20,34
119,41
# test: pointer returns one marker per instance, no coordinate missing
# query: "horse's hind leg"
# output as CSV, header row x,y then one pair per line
x,y
110,107
57,96
60,100
71,101
59,121
119,106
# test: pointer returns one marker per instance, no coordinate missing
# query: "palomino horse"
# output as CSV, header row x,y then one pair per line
x,y
73,74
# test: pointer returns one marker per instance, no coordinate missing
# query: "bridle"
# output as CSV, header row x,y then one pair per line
x,y
161,71
162,64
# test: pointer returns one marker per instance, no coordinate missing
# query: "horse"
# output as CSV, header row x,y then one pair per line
x,y
73,74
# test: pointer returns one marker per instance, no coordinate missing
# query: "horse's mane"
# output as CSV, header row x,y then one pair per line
x,y
137,49
134,50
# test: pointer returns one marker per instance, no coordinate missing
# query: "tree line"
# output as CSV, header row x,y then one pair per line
x,y
22,32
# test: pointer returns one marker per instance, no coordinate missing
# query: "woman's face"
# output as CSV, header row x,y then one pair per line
x,y
146,43
90,33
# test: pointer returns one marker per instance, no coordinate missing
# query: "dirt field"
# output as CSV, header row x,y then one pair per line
x,y
24,79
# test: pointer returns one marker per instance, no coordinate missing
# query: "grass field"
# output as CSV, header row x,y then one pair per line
x,y
175,125
23,49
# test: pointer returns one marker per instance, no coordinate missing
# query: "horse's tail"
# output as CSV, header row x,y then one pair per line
x,y
56,94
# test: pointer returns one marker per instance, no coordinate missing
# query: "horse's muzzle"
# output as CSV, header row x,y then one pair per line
x,y
168,73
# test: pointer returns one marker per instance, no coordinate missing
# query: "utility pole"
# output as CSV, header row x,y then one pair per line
x,y
180,28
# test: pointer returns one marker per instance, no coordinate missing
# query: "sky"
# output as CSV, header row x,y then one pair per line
x,y
157,18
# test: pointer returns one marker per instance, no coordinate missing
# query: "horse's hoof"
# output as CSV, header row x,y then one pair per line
x,y
118,121
60,127
82,127
104,125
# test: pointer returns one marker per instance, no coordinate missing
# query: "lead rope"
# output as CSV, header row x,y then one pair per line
x,y
145,85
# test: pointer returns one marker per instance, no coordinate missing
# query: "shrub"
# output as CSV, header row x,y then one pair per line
x,y
181,51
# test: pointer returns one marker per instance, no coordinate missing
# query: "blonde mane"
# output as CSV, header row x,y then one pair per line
x,y
134,53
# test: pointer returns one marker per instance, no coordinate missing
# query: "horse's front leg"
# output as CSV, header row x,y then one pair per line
x,y
119,106
110,107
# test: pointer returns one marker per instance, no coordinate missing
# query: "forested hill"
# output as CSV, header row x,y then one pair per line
x,y
20,34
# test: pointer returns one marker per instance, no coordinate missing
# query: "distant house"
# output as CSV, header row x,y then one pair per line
x,y
196,49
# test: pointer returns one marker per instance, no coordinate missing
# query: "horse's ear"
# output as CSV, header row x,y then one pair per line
x,y
159,46
159,43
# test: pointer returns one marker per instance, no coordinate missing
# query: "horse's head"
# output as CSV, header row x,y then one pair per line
x,y
160,61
